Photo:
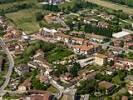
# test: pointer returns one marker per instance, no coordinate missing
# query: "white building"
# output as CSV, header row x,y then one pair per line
x,y
120,34
47,32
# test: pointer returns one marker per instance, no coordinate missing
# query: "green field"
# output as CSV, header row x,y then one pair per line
x,y
114,6
25,20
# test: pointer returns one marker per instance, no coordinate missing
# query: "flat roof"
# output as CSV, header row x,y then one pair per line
x,y
120,34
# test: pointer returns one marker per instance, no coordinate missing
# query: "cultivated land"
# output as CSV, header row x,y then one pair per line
x,y
112,6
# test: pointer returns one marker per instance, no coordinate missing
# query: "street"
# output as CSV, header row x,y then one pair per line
x,y
10,69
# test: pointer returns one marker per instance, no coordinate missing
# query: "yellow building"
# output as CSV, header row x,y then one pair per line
x,y
100,59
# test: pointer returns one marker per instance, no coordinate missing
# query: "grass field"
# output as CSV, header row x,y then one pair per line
x,y
25,20
114,6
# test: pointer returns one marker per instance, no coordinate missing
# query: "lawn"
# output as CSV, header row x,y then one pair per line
x,y
25,20
116,80
58,53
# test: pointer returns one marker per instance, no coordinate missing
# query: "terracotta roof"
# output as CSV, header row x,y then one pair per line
x,y
64,35
40,96
105,85
78,39
83,47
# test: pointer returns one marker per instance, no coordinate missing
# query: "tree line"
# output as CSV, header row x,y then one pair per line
x,y
15,8
124,2
73,6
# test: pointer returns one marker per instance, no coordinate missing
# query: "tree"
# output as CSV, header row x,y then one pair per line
x,y
59,69
38,86
87,87
74,69
39,16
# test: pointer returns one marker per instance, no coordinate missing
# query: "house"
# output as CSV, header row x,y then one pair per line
x,y
103,24
127,63
54,2
70,39
22,69
100,59
107,86
33,65
39,96
75,40
25,85
47,32
63,37
75,33
83,49
41,62
129,83
51,18
86,49
96,38
66,77
124,98
89,76
43,77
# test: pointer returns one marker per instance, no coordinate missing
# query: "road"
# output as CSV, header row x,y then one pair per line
x,y
111,5
10,69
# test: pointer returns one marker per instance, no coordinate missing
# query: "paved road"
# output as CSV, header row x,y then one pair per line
x,y
111,5
10,69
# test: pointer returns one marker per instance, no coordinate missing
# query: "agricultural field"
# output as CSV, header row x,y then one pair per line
x,y
111,5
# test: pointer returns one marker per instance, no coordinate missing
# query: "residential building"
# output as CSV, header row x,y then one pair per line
x,y
129,83
51,18
124,98
107,86
75,40
96,38
83,49
22,69
100,59
47,32
63,37
25,85
33,65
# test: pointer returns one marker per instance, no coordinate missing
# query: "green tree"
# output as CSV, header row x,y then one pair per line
x,y
74,69
38,86
39,16
87,87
